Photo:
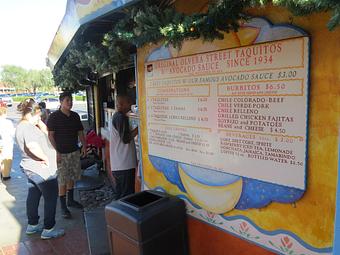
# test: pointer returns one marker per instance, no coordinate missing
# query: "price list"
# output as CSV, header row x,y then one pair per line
x,y
242,111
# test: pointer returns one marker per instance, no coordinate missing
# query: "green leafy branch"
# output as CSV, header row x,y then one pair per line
x,y
151,22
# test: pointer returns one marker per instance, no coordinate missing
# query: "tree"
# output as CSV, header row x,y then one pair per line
x,y
47,79
14,76
28,80
40,79
33,79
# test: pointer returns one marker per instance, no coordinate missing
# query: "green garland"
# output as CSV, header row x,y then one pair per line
x,y
151,22
307,7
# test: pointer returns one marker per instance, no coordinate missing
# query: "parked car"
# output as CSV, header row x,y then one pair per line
x,y
2,104
81,93
6,99
51,103
37,99
82,114
83,118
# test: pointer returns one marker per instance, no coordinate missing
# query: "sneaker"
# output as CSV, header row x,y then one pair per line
x,y
32,229
52,233
66,213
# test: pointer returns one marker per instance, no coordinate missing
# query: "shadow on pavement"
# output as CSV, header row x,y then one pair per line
x,y
13,220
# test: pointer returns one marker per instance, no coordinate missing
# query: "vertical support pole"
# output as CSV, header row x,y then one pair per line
x,y
336,243
140,165
97,108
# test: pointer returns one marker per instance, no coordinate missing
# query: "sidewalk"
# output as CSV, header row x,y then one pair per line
x,y
13,222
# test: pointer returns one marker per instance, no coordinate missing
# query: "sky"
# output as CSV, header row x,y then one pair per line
x,y
27,28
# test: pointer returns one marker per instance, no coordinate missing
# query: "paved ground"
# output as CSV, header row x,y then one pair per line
x,y
13,239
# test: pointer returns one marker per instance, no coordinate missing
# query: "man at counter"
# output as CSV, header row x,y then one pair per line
x,y
122,149
64,129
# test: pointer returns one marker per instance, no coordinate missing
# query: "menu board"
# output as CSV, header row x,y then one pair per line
x,y
242,111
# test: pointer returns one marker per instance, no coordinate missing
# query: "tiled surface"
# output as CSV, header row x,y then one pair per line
x,y
73,243
13,222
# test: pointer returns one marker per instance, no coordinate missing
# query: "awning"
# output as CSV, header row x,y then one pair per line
x,y
78,13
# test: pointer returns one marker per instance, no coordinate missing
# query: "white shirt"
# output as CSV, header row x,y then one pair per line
x,y
27,133
7,132
122,156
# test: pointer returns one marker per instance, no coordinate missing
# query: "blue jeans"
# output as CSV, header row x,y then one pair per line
x,y
49,190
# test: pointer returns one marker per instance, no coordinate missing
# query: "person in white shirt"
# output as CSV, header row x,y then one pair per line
x,y
7,132
123,159
39,163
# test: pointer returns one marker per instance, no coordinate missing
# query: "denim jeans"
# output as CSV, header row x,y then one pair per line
x,y
49,190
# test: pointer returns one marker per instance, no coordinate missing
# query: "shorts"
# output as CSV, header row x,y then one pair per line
x,y
69,167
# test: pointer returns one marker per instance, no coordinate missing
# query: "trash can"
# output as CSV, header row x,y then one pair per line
x,y
147,223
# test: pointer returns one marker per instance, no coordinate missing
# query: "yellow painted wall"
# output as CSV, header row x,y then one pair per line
x,y
312,217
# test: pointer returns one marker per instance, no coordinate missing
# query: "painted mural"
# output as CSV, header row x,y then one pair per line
x,y
228,201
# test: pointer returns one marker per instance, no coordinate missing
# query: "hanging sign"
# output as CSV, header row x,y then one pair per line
x,y
242,111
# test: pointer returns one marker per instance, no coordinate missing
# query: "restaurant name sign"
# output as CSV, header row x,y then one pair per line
x,y
241,111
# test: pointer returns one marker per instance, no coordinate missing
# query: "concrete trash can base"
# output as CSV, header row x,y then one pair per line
x,y
147,223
